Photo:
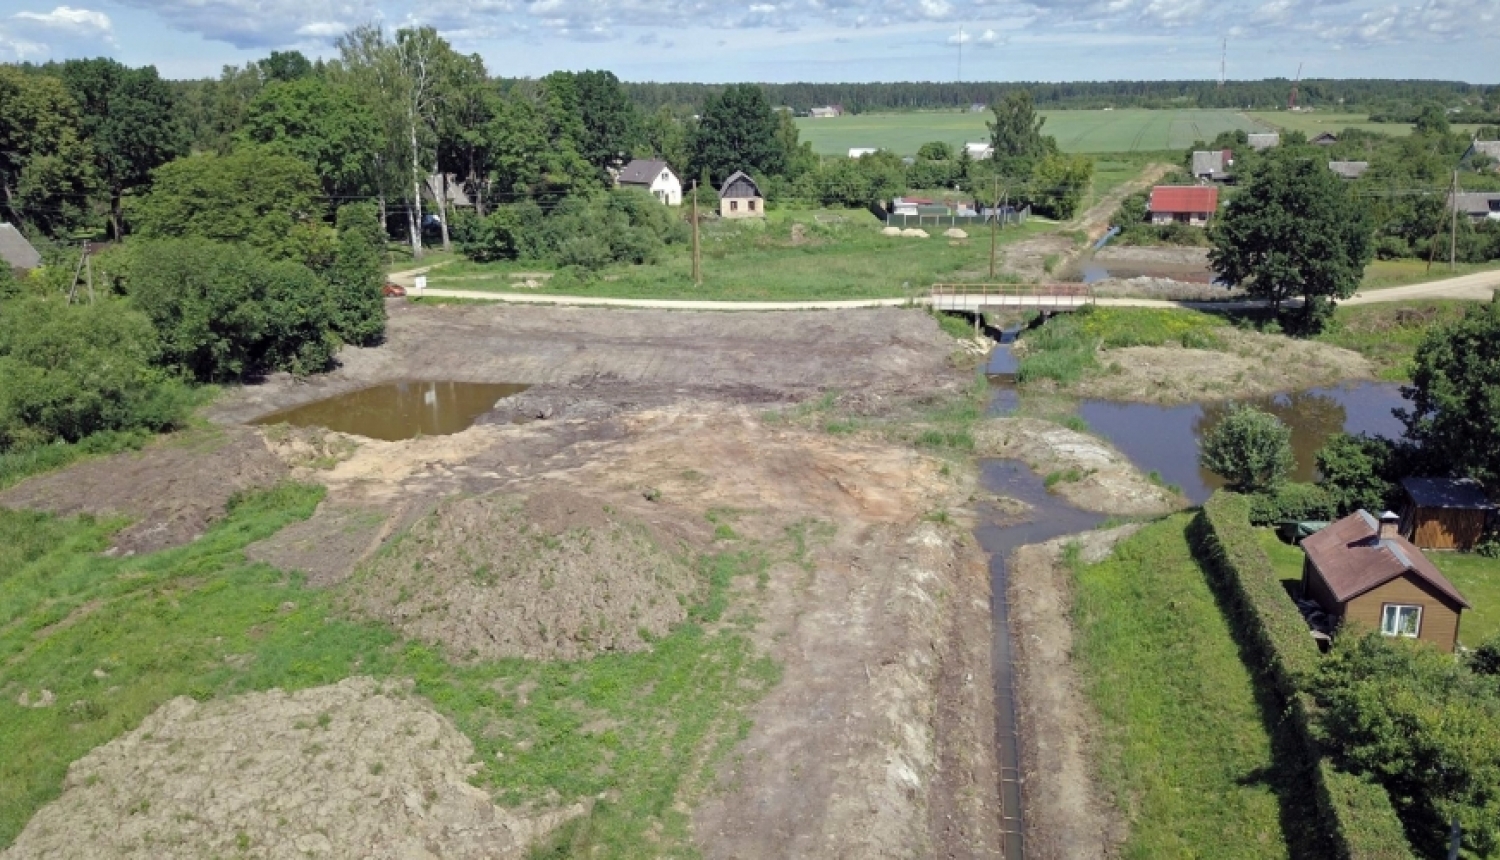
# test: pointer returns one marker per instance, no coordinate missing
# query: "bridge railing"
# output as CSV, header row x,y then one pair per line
x,y
975,296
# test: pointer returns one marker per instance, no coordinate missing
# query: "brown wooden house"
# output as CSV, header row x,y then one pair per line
x,y
1444,513
1360,570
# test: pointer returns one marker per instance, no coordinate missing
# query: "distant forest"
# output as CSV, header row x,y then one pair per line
x,y
1357,95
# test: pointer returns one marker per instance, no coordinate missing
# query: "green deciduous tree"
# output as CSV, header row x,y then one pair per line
x,y
1016,133
1058,183
737,131
321,123
935,150
253,195
46,168
128,118
225,312
356,276
70,371
1454,418
1251,450
1294,230
1358,472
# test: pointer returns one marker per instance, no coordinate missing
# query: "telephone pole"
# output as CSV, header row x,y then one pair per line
x,y
994,226
1453,224
697,264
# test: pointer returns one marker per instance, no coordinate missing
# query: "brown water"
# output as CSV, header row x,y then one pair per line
x,y
399,410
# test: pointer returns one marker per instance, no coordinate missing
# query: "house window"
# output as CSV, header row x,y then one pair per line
x,y
734,206
752,205
1401,620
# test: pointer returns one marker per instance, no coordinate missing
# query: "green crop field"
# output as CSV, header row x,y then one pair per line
x,y
1075,130
1316,122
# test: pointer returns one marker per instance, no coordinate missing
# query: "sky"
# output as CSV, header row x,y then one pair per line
x,y
805,40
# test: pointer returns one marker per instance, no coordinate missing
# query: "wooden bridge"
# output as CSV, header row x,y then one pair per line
x,y
977,298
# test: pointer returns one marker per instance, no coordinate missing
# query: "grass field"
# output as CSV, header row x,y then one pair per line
x,y
1314,123
171,618
1389,334
835,254
1185,751
1075,130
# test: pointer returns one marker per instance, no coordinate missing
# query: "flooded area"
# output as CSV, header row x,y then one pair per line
x,y
1164,439
399,410
1092,271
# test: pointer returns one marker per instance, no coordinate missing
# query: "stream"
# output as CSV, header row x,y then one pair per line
x,y
1156,438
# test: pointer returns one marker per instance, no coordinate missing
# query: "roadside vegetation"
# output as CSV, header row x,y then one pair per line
x,y
104,641
1181,725
1389,334
1065,349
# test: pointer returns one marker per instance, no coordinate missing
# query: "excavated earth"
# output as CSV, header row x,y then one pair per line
x,y
562,525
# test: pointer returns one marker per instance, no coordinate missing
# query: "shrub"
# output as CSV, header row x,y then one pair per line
x,y
1290,501
1249,449
356,276
68,372
1357,472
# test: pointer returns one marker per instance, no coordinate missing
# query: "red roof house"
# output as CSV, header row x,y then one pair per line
x,y
1183,204
1360,569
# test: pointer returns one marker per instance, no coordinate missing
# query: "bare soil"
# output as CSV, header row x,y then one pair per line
x,y
356,769
1250,365
171,491
1068,816
1092,475
1145,255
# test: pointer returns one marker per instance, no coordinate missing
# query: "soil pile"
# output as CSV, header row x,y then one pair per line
x,y
556,575
353,770
173,489
1090,473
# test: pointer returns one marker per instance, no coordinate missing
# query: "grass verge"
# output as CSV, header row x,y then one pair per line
x,y
1185,751
1381,274
114,638
1389,334
1064,348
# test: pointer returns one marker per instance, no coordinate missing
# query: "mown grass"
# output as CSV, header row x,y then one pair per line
x,y
201,620
1184,749
1478,579
836,254
1064,348
1381,274
1389,334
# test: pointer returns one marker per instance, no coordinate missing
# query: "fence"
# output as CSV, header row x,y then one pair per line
x,y
1006,216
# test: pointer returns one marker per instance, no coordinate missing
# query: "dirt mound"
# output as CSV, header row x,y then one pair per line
x,y
955,233
557,575
914,233
1090,473
1250,365
891,231
351,770
173,489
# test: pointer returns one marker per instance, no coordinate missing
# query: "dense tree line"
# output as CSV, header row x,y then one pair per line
x,y
1270,94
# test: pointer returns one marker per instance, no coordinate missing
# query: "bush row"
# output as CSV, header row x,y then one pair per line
x,y
1291,501
1365,826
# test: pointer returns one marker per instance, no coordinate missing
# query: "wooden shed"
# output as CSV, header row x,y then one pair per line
x,y
1360,570
1444,513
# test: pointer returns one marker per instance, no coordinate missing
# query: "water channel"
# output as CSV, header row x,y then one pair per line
x,y
1156,438
399,410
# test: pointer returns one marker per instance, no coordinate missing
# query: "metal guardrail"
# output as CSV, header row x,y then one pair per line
x,y
976,297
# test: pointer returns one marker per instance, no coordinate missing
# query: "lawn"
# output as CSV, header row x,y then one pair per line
x,y
171,619
1184,749
1389,334
1478,579
1314,123
1381,274
834,254
1129,130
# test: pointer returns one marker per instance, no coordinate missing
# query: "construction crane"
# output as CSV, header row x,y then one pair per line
x,y
1291,102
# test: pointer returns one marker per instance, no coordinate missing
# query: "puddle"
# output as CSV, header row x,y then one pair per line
x,y
1050,517
399,410
1164,439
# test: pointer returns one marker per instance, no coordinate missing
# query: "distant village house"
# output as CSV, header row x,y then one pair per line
x,y
980,151
1478,205
16,251
1489,149
826,112
654,176
1349,169
1183,204
1212,164
1264,141
1360,570
861,151
740,197
1327,138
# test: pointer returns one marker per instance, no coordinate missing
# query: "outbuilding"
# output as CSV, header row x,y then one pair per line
x,y
740,197
1360,570
1445,513
1183,204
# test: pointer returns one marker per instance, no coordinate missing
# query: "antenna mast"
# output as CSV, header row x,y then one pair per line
x,y
960,53
1291,102
1223,55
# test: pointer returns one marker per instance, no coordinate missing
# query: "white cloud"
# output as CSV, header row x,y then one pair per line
x,y
15,48
263,23
67,22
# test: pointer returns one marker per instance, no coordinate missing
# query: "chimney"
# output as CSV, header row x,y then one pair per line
x,y
1390,526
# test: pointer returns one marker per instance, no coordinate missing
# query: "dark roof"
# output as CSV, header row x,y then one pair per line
x,y
642,171
1208,162
1447,493
1476,203
1327,138
1184,198
15,250
739,184
1349,169
1353,560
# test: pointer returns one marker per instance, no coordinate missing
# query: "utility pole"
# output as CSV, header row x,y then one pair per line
x,y
1453,224
697,264
994,226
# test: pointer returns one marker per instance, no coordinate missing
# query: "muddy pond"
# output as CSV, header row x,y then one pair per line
x,y
399,410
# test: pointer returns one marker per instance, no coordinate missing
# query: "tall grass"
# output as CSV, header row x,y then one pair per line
x,y
162,625
1065,348
1184,750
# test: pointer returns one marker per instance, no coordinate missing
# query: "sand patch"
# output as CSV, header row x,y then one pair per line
x,y
357,769
1093,475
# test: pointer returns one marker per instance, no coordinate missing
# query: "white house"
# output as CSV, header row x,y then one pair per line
x,y
980,151
861,151
654,176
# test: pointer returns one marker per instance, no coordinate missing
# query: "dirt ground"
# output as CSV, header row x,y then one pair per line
x,y
1250,365
1092,475
1145,255
1068,815
356,769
